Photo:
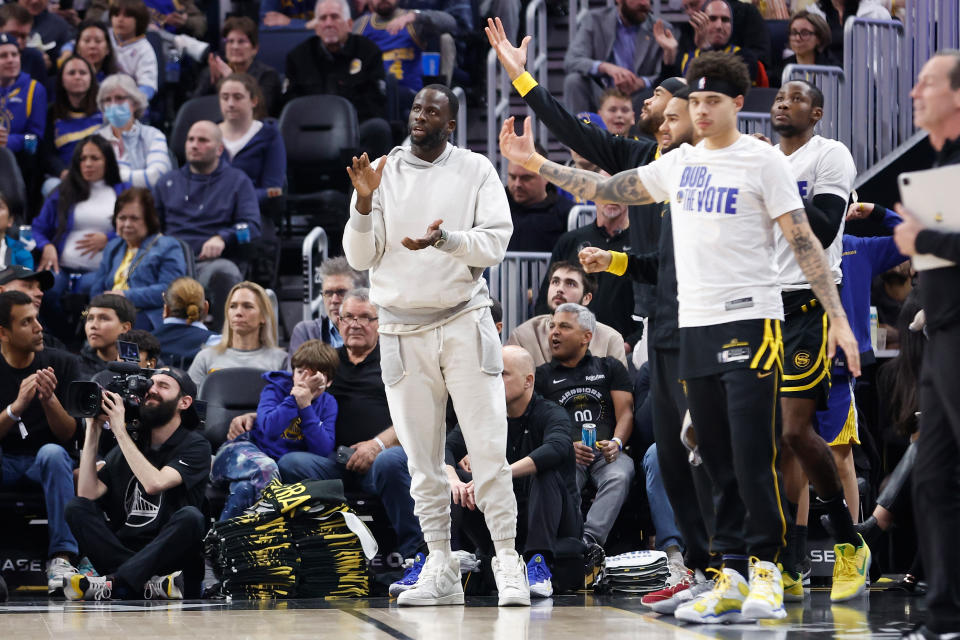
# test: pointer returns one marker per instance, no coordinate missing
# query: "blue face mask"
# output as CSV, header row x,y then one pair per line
x,y
118,115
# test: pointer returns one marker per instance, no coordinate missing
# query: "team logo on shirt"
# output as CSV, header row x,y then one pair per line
x,y
698,193
802,359
142,509
355,66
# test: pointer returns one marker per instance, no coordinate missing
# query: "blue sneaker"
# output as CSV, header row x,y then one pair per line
x,y
410,576
539,577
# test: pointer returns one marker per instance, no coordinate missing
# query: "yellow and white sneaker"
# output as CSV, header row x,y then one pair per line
x,y
765,601
850,570
721,604
792,586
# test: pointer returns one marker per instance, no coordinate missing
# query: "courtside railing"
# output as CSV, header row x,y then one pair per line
x,y
580,216
313,252
515,282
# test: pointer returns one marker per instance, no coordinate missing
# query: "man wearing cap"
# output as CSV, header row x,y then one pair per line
x,y
151,489
33,283
34,427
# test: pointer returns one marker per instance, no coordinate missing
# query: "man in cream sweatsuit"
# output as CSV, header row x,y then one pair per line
x,y
436,333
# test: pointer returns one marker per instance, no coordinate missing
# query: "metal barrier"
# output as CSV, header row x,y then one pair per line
x,y
831,82
515,282
877,118
754,122
580,216
930,25
460,135
313,252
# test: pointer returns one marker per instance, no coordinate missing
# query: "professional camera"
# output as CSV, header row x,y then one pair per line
x,y
125,378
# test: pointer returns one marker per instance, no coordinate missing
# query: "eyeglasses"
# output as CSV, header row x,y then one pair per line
x,y
723,19
329,293
361,321
803,34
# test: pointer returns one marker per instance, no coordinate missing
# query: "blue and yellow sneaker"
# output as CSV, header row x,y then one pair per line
x,y
792,586
539,577
765,601
409,578
721,604
850,570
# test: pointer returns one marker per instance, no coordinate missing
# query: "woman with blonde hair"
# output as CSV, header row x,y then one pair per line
x,y
183,334
249,335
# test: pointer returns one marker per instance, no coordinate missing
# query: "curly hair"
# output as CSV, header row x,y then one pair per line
x,y
720,66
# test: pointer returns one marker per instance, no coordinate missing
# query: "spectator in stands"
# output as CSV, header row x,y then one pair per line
x,y
34,428
249,335
147,344
337,278
336,61
205,204
183,333
73,116
93,45
252,145
614,46
402,36
718,36
241,42
539,213
141,150
378,464
140,262
12,250
51,28
568,282
598,391
837,12
287,13
135,55
616,111
151,546
294,414
24,103
749,29
176,16
32,283
17,21
809,38
74,225
540,453
105,319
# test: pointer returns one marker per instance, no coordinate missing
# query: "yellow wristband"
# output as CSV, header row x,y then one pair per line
x,y
618,263
524,83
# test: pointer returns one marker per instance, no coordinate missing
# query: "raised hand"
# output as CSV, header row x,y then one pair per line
x,y
513,59
666,40
364,177
431,237
516,149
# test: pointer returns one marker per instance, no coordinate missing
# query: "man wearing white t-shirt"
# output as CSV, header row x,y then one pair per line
x,y
725,195
825,172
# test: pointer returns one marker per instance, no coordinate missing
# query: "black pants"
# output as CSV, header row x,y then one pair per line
x,y
687,487
545,513
736,417
178,547
936,479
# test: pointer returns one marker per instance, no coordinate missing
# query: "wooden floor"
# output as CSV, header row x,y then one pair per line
x,y
881,615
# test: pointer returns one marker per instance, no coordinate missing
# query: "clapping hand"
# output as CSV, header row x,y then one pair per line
x,y
364,177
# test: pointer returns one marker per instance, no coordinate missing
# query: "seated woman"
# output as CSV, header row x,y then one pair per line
x,y
183,333
808,37
294,414
240,46
135,56
72,116
140,149
140,263
74,225
249,335
251,145
93,45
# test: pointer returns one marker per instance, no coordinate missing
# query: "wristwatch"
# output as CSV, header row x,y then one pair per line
x,y
442,240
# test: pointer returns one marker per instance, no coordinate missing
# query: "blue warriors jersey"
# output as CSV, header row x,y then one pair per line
x,y
402,52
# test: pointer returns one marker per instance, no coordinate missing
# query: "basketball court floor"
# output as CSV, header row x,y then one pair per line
x,y
580,617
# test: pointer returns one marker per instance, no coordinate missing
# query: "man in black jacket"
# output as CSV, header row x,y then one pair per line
x,y
936,503
338,62
539,213
540,453
749,29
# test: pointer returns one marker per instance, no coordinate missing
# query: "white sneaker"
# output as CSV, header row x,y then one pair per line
x,y
439,583
721,604
765,601
57,570
168,587
510,573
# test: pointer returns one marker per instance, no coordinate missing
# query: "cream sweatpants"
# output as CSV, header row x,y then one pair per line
x,y
461,358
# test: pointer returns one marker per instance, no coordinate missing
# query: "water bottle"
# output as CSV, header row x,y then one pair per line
x,y
30,143
26,237
874,325
430,63
75,282
243,232
588,433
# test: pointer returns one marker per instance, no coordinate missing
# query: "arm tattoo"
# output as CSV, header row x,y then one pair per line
x,y
813,262
624,187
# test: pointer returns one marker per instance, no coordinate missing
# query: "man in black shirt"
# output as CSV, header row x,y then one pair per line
x,y
540,453
378,464
594,391
34,427
539,213
33,283
138,518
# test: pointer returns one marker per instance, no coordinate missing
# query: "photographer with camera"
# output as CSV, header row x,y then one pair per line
x,y
150,493
34,426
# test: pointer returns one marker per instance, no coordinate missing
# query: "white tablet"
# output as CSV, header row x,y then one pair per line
x,y
933,197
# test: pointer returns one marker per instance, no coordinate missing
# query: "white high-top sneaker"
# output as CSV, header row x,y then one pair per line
x,y
439,583
510,572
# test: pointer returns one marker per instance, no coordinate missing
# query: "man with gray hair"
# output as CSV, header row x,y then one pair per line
x,y
595,392
337,277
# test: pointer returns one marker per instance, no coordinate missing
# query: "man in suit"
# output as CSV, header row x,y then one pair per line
x,y
614,46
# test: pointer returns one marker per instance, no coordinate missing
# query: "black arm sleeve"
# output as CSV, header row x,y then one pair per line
x,y
941,244
825,214
643,267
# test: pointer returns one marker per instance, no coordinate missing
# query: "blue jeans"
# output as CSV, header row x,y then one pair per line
x,y
246,470
52,469
660,509
387,478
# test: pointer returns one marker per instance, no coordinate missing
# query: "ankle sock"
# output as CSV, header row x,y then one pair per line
x,y
738,563
836,508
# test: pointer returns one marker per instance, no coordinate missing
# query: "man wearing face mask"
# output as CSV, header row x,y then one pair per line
x,y
150,490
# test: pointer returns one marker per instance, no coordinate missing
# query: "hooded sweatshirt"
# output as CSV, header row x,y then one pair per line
x,y
419,289
283,427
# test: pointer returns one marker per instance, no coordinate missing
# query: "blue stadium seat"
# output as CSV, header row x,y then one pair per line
x,y
276,43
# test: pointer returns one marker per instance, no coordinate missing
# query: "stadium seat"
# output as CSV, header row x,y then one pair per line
x,y
759,100
202,108
12,186
229,393
276,43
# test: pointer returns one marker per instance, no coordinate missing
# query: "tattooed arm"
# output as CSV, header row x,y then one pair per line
x,y
813,261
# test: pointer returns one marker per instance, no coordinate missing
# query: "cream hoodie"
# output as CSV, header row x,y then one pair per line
x,y
430,286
